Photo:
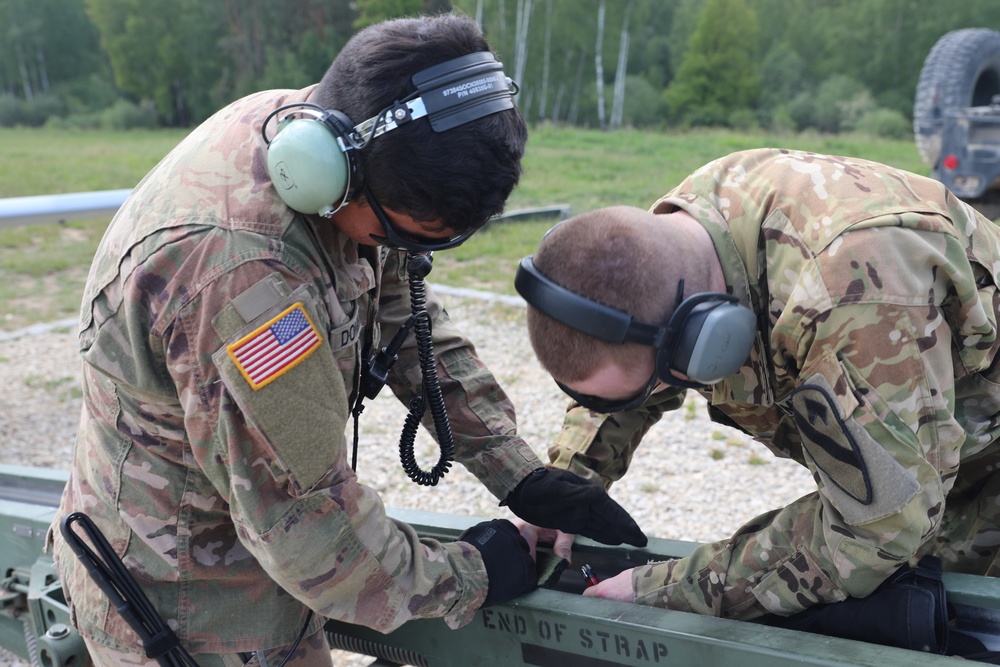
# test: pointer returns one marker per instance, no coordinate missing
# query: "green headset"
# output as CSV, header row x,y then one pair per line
x,y
312,156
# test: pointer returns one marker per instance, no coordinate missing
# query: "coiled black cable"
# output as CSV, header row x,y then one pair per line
x,y
418,265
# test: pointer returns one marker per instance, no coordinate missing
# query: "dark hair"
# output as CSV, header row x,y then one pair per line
x,y
462,176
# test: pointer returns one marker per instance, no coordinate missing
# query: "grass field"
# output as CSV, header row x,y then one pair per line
x,y
43,267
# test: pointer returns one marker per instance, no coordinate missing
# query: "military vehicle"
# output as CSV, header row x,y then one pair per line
x,y
956,115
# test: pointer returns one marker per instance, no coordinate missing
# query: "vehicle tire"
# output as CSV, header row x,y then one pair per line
x,y
961,70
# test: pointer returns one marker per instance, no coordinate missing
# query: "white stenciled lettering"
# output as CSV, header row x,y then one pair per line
x,y
469,88
474,91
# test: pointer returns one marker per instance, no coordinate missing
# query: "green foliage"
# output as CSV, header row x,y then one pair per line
x,y
42,107
11,111
842,104
643,105
782,76
887,123
163,51
121,115
801,110
45,43
718,74
838,100
284,69
744,120
776,120
88,93
373,11
15,111
187,58
652,58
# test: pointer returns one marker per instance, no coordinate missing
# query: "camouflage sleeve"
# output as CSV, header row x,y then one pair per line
x,y
875,413
599,447
275,447
482,417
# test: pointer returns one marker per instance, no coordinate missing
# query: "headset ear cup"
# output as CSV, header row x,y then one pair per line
x,y
712,340
309,169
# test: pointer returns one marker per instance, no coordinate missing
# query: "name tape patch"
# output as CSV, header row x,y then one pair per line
x,y
276,347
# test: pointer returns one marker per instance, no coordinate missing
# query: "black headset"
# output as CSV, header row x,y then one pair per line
x,y
708,336
311,157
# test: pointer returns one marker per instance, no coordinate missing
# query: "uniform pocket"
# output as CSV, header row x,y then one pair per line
x,y
797,583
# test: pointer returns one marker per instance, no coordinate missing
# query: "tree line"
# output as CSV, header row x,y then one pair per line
x,y
829,65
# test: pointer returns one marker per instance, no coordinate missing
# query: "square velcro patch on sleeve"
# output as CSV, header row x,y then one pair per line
x,y
275,347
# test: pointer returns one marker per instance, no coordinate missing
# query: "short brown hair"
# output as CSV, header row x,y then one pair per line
x,y
622,257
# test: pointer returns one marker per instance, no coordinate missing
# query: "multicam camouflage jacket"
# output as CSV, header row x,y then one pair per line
x,y
224,483
874,365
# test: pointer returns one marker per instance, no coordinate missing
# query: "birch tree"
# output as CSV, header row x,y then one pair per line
x,y
599,64
618,101
574,109
45,44
543,93
521,39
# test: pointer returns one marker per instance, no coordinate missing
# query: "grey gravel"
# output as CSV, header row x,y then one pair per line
x,y
691,479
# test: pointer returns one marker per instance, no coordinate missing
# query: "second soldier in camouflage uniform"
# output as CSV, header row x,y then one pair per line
x,y
227,490
874,365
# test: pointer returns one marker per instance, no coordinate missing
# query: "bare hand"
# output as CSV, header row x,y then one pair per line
x,y
562,543
618,587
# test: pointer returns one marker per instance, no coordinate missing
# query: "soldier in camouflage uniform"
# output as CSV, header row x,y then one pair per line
x,y
874,365
228,491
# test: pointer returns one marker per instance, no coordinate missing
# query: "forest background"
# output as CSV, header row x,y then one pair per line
x,y
776,65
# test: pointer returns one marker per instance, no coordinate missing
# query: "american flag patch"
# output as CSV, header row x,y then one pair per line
x,y
276,347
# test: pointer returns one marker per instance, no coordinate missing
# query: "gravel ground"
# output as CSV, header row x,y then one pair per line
x,y
688,481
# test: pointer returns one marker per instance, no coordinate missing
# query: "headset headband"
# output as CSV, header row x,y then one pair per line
x,y
580,313
450,94
464,89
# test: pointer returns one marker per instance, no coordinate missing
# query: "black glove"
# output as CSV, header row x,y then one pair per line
x,y
905,611
908,610
508,561
559,499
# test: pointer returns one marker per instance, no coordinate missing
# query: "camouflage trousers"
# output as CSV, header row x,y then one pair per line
x,y
312,651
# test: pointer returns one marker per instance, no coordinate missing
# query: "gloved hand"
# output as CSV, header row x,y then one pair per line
x,y
908,610
559,499
509,565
